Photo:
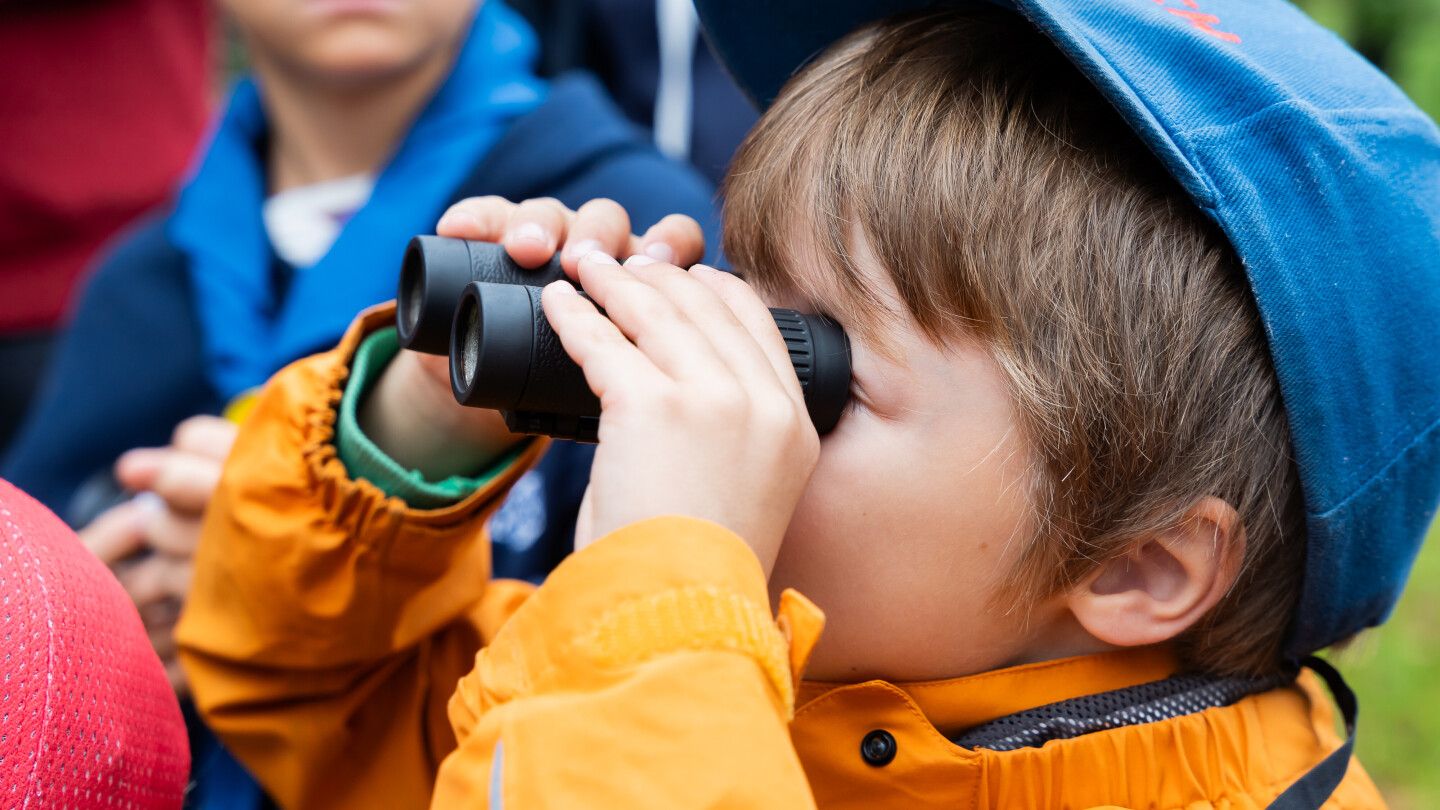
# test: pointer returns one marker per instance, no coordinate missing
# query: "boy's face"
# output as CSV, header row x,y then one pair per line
x,y
915,515
350,42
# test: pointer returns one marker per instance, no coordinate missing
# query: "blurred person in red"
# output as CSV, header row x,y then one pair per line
x,y
90,720
101,104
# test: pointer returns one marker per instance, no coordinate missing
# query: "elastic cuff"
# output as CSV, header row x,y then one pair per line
x,y
364,459
695,617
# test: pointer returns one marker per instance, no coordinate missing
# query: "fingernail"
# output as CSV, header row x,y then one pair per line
x,y
455,219
639,260
600,257
565,287
148,503
530,231
704,268
583,248
660,252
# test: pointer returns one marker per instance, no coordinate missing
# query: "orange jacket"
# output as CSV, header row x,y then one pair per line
x,y
354,654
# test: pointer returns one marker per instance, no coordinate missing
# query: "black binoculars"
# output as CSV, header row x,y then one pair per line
x,y
470,301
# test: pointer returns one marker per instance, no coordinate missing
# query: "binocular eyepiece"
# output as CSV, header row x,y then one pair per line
x,y
504,354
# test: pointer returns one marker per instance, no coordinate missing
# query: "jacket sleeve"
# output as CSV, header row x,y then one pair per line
x,y
327,624
647,672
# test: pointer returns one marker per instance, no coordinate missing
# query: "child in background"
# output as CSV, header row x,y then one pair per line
x,y
360,123
1070,543
657,66
104,103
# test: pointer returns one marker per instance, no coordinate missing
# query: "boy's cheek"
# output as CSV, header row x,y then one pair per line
x,y
904,546
907,595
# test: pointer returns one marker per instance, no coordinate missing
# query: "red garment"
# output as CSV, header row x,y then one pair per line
x,y
101,104
89,718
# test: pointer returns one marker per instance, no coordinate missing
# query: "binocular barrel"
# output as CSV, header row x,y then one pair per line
x,y
433,273
504,355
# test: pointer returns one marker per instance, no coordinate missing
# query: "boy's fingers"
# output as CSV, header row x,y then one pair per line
x,y
481,219
585,520
676,239
653,322
535,230
534,227
592,340
747,307
730,339
599,225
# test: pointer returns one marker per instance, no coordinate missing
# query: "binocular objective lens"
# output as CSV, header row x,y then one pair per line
x,y
470,353
411,297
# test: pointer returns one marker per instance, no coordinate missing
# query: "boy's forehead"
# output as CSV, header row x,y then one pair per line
x,y
811,280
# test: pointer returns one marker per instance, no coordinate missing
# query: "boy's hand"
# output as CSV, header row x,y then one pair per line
x,y
702,413
533,230
412,414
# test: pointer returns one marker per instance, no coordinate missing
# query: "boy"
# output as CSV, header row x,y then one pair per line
x,y
1059,539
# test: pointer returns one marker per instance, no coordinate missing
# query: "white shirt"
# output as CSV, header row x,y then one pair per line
x,y
304,222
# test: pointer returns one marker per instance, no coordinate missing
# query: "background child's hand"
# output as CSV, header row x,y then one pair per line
x,y
412,414
702,412
150,540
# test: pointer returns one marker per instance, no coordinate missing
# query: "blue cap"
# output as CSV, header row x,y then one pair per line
x,y
1325,178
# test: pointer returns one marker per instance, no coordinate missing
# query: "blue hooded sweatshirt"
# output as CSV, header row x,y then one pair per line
x,y
134,362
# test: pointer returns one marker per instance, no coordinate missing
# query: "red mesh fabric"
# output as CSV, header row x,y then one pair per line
x,y
87,718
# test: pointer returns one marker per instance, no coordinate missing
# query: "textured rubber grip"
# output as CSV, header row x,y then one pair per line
x,y
506,356
556,385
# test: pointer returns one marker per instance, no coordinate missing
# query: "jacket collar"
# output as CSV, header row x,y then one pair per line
x,y
956,704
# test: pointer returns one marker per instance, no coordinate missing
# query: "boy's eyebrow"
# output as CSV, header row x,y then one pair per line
x,y
879,331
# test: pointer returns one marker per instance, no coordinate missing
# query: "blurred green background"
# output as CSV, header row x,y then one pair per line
x,y
1395,669
1402,37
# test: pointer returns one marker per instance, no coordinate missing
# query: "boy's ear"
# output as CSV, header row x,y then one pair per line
x,y
1165,582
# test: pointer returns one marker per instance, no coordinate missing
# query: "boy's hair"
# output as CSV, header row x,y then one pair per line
x,y
1009,204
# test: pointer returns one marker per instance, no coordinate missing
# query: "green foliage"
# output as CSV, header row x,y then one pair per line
x,y
1402,37
1395,671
